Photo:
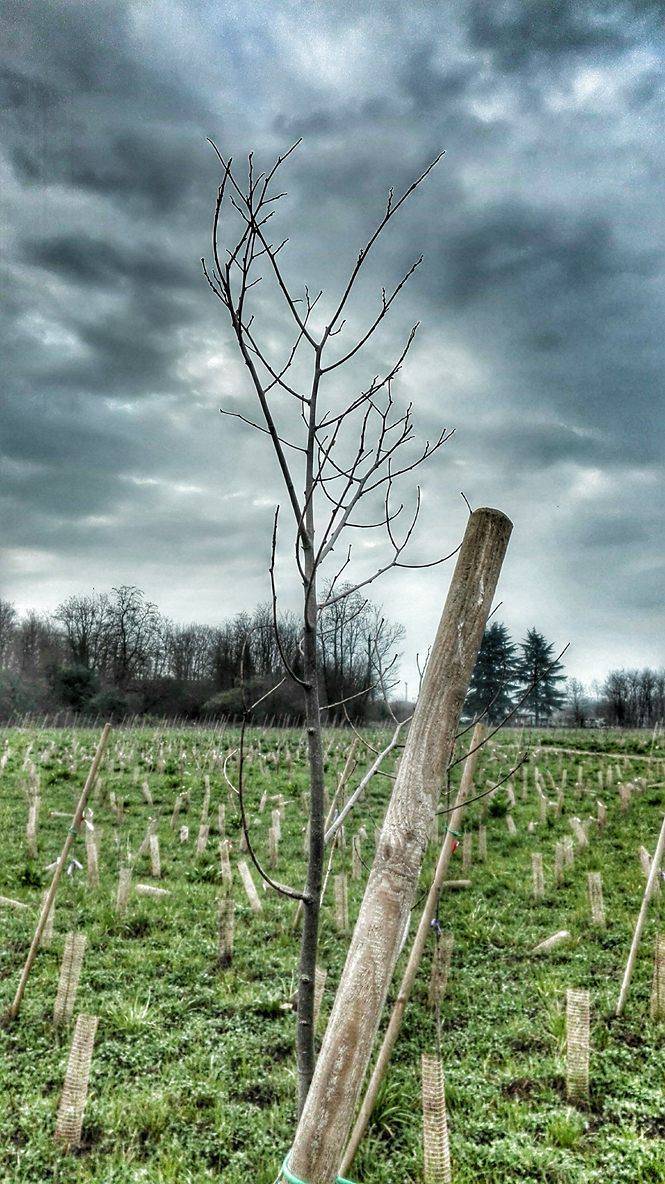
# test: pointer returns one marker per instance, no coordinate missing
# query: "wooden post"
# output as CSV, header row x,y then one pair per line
x,y
630,965
59,868
326,1116
411,969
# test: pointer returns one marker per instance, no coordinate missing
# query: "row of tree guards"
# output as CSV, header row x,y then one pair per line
x,y
435,1130
325,1142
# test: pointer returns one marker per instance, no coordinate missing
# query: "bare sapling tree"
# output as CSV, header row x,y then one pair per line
x,y
346,454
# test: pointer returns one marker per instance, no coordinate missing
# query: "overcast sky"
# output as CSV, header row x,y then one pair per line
x,y
541,295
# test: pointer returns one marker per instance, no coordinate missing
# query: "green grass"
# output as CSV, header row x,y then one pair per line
x,y
193,1071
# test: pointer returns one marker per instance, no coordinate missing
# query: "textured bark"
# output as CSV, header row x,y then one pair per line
x,y
417,949
305,1054
326,1117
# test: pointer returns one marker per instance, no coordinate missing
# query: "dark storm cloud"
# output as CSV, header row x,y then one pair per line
x,y
518,34
512,243
541,297
86,259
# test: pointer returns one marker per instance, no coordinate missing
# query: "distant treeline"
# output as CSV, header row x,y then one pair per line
x,y
115,654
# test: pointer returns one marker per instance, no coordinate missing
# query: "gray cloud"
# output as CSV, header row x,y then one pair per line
x,y
541,296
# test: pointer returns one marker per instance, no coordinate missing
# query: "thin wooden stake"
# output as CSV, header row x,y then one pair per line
x,y
50,896
47,933
655,868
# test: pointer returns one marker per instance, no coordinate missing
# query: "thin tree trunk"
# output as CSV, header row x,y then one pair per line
x,y
305,1057
326,1117
417,949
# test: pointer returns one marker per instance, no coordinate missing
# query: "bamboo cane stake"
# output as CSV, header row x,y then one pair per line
x,y
630,964
50,895
417,949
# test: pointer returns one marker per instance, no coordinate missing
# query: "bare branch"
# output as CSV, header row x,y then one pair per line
x,y
391,210
364,782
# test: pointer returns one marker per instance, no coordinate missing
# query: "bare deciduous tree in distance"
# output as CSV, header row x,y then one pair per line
x,y
347,460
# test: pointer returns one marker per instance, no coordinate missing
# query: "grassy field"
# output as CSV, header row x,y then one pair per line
x,y
193,1070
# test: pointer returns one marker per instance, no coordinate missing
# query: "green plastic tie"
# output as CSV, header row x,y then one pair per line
x,y
73,830
291,1179
456,833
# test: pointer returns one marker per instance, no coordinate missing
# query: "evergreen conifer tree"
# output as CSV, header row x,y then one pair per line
x,y
537,666
492,686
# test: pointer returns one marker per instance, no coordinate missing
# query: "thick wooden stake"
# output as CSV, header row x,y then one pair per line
x,y
326,1116
630,964
59,868
417,949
